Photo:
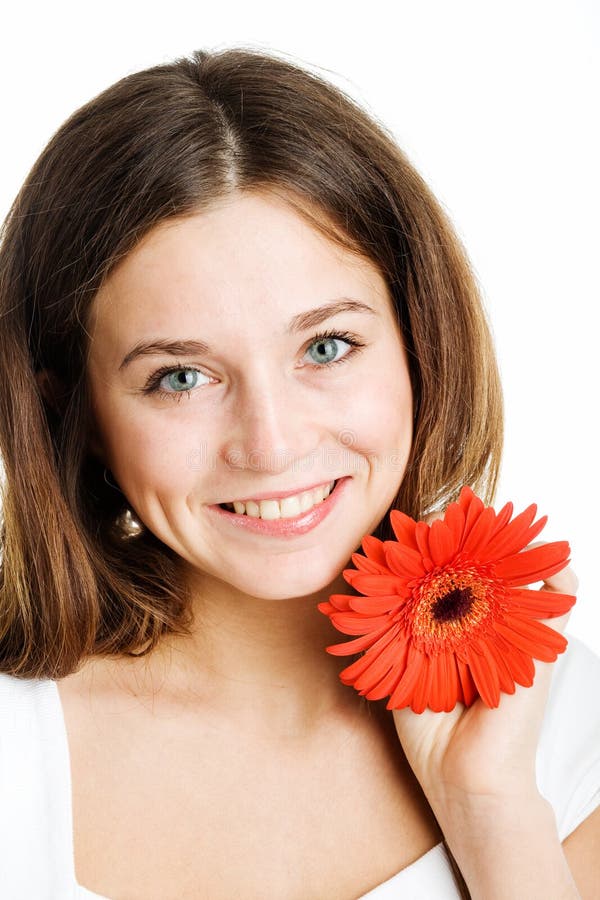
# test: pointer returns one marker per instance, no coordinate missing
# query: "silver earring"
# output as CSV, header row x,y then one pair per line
x,y
127,526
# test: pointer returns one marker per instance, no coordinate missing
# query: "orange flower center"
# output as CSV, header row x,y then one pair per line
x,y
452,605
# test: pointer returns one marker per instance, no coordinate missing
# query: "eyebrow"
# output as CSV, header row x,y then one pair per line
x,y
301,322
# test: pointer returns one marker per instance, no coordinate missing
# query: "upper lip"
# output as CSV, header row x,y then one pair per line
x,y
276,495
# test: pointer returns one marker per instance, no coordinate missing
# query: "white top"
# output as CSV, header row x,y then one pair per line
x,y
36,835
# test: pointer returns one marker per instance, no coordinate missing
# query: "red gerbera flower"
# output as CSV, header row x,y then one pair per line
x,y
445,617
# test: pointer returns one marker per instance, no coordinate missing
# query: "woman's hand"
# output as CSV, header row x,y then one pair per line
x,y
478,753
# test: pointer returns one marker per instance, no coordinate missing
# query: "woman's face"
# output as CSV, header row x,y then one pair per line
x,y
265,407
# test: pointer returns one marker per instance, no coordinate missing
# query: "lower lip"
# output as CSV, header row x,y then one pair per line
x,y
287,527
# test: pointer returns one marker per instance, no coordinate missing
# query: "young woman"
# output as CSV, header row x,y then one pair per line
x,y
238,330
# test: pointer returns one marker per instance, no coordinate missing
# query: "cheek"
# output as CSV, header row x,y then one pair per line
x,y
147,452
381,407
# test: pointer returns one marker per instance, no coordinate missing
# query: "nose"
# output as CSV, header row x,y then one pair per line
x,y
272,426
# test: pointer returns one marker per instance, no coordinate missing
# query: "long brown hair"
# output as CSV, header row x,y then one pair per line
x,y
170,141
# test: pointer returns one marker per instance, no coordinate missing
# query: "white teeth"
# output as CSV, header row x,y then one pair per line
x,y
290,506
269,509
252,509
306,501
317,494
285,508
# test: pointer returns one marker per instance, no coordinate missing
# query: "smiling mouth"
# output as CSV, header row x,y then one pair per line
x,y
286,508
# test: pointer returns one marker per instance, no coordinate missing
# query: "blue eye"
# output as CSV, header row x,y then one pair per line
x,y
326,347
178,383
182,380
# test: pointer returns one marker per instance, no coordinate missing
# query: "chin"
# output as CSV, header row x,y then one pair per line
x,y
288,591
306,584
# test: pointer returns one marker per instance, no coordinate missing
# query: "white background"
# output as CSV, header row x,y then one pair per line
x,y
495,103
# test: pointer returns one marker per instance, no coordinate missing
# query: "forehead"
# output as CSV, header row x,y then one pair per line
x,y
251,257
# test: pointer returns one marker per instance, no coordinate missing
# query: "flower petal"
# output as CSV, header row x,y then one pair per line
x,y
337,602
423,687
503,517
373,548
467,498
378,665
441,542
515,536
377,585
359,666
507,682
356,645
440,689
364,564
355,623
468,692
374,606
386,686
480,533
472,507
325,607
519,662
485,676
534,638
535,564
422,538
450,686
540,604
404,561
403,693
455,520
404,528
550,641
